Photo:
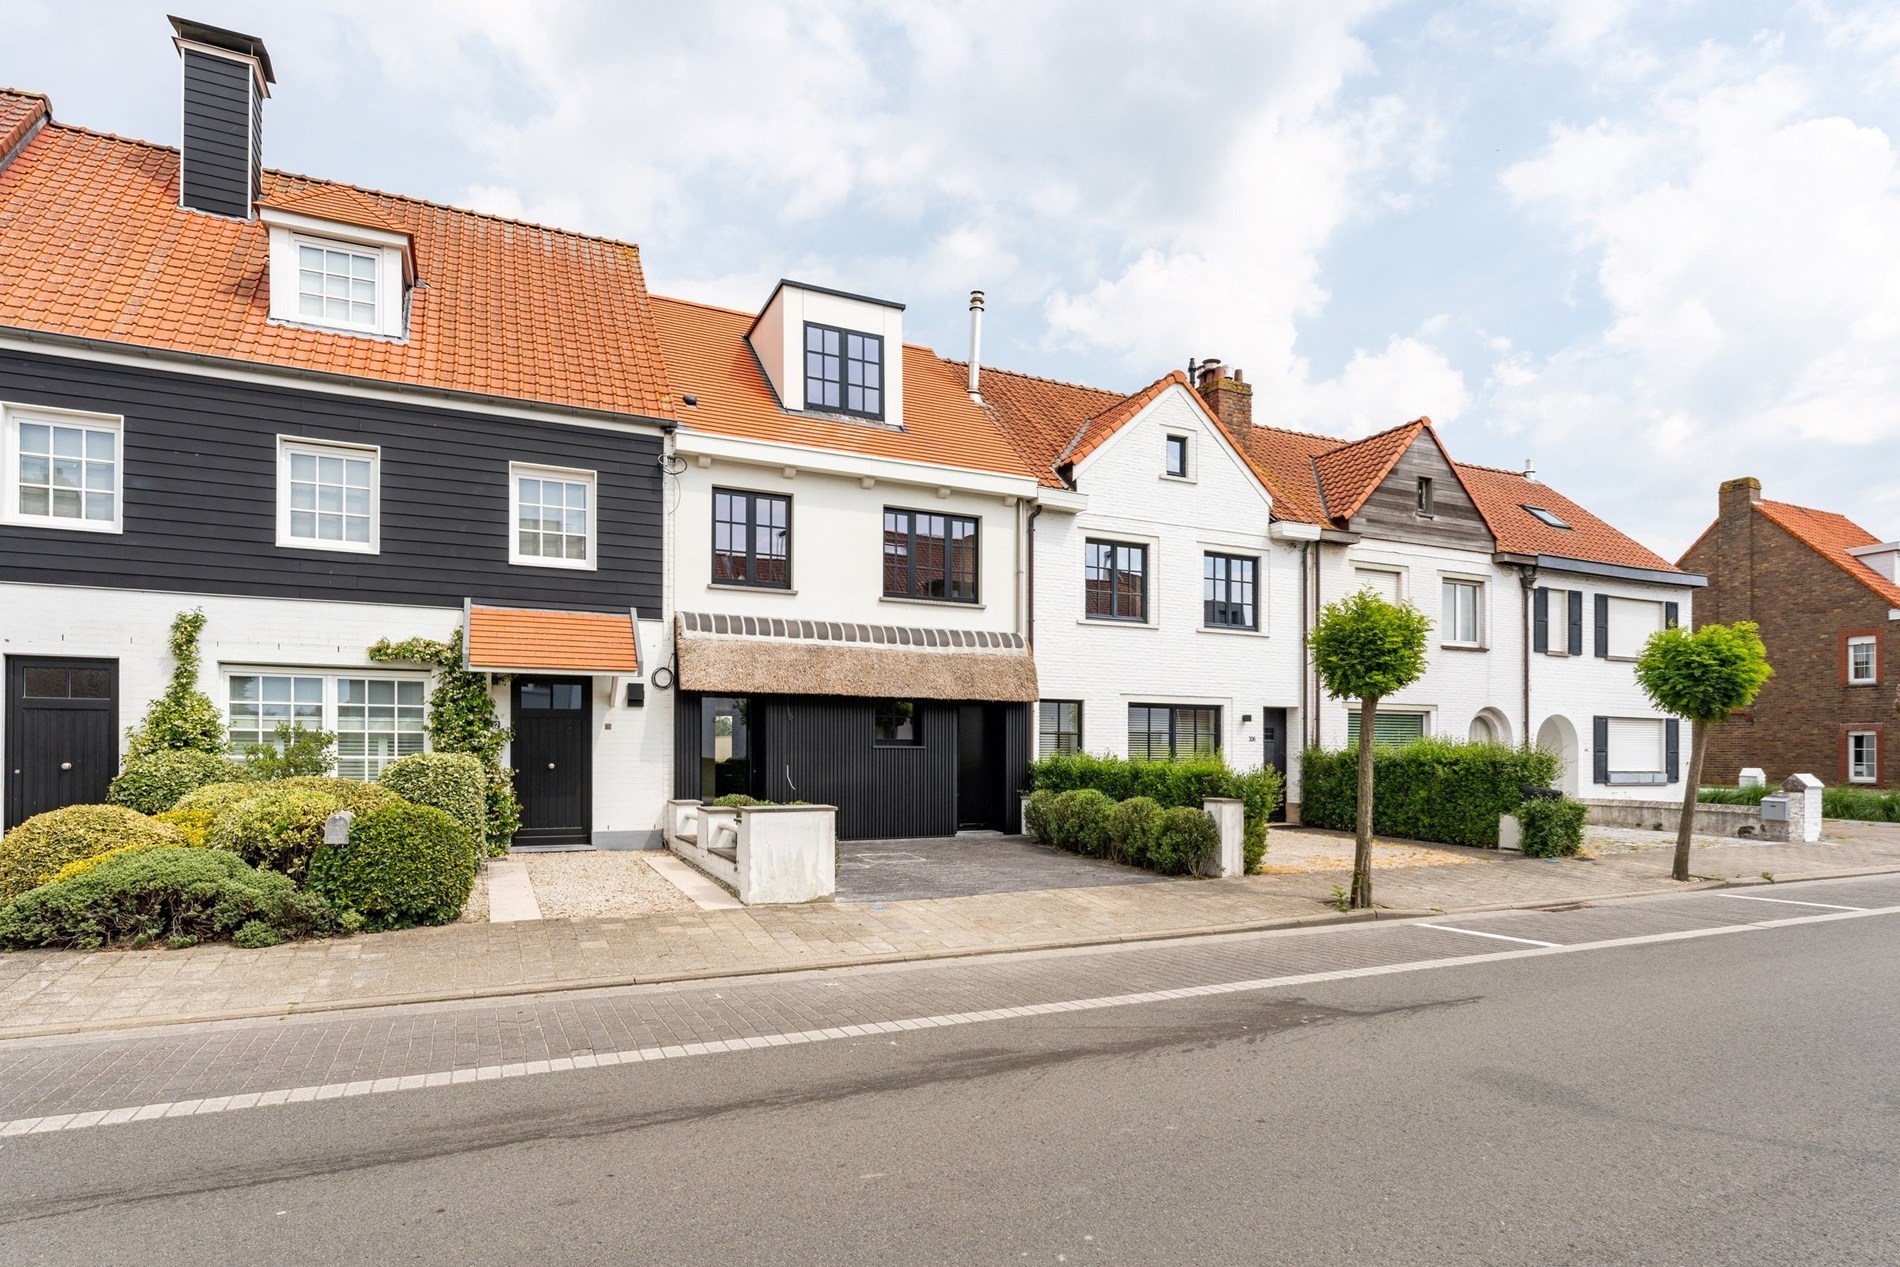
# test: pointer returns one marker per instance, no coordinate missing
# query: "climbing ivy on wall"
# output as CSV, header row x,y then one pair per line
x,y
184,716
462,718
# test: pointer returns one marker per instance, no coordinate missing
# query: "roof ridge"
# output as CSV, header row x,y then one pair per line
x,y
1138,393
1495,470
27,92
1042,378
1813,510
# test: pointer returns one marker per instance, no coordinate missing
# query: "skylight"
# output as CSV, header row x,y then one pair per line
x,y
1545,517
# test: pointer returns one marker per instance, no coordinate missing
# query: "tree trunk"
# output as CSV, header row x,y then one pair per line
x,y
1692,784
1362,829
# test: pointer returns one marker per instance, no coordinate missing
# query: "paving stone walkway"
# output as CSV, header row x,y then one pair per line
x,y
60,991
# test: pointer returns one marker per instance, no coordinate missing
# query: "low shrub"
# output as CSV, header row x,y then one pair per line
x,y
736,800
176,895
1183,784
1039,816
152,784
296,751
1430,789
192,824
353,795
1861,805
215,798
278,829
1080,821
1186,840
1133,827
452,782
33,852
1734,795
404,865
1552,829
80,866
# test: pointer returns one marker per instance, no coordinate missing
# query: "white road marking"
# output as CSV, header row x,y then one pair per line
x,y
77,1120
1788,901
1472,932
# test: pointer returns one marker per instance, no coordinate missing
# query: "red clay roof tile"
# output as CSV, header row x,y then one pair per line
x,y
1832,536
508,638
1502,496
1348,474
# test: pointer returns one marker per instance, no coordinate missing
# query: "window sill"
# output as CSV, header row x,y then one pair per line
x,y
1230,633
735,587
1113,622
1179,479
62,525
1462,646
956,603
563,565
331,547
1875,682
318,327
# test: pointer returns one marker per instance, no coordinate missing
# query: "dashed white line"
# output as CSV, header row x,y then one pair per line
x,y
1472,932
1788,901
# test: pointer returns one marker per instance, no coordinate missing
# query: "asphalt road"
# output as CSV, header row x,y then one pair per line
x,y
1725,1099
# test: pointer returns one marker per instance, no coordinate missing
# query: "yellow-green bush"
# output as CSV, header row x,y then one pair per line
x,y
276,830
403,865
193,824
33,852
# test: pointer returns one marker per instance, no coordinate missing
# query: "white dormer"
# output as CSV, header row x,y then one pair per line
x,y
1883,557
828,352
336,263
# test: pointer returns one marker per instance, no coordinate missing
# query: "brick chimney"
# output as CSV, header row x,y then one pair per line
x,y
1229,395
1732,585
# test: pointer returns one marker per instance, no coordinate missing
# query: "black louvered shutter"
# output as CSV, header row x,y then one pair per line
x,y
1576,621
1672,748
1540,620
1600,749
1603,626
1671,614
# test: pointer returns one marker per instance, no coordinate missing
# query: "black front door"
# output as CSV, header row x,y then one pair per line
x,y
1273,751
553,760
973,789
62,736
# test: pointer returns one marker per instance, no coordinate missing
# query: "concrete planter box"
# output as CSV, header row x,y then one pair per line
x,y
766,854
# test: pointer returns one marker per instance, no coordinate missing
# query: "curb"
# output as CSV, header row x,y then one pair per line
x,y
524,989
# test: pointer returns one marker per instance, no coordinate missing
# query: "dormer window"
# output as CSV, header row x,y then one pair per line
x,y
336,285
844,370
327,273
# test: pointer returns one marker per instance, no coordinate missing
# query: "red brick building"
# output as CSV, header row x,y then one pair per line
x,y
1823,589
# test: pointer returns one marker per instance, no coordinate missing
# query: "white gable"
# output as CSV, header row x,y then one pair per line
x,y
779,337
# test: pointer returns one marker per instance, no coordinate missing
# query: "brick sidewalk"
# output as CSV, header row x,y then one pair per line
x,y
51,991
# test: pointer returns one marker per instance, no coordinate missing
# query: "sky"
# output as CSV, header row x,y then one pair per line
x,y
1647,244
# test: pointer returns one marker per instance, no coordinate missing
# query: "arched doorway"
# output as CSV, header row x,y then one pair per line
x,y
1559,736
1489,726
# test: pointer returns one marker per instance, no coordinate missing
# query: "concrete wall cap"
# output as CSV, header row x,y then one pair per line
x,y
1801,783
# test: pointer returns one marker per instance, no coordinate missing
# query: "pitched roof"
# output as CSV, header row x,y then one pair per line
x,y
1832,536
515,639
707,357
93,244
19,111
332,202
1041,417
1502,497
1288,462
1349,474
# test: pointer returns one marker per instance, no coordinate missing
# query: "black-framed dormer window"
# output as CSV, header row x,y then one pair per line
x,y
930,556
752,539
844,370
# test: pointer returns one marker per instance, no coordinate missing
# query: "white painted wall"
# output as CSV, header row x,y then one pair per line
x,y
779,341
1172,658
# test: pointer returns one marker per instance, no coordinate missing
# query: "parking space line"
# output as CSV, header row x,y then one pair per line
x,y
1788,901
1472,932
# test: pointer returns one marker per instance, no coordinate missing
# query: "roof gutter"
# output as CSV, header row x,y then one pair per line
x,y
1588,567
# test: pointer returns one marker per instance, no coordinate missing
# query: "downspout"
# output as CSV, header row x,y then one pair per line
x,y
1526,584
1029,621
1306,549
1313,621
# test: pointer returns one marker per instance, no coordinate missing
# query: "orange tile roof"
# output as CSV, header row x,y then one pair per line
x,y
513,639
1501,497
332,202
94,245
1349,474
19,111
707,357
1287,463
1832,536
1041,417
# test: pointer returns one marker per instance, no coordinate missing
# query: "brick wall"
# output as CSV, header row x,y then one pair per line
x,y
1806,607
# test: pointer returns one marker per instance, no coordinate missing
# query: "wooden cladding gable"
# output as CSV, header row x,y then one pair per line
x,y
1391,513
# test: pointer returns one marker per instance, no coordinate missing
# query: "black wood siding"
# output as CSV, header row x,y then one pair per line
x,y
200,476
219,110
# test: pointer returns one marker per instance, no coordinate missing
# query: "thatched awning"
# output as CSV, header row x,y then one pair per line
x,y
754,655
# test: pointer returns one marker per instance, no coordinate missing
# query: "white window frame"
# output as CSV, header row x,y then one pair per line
x,y
1873,661
1620,611
1399,577
11,418
290,230
1872,738
287,445
1478,613
517,471
330,705
1660,772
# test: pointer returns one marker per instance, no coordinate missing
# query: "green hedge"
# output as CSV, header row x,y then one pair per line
x,y
153,783
1552,829
33,852
1186,841
1133,829
277,830
1859,805
1430,789
178,896
404,865
453,782
1137,832
1171,784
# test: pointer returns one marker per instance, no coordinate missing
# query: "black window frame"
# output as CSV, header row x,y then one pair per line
x,y
845,361
1425,496
1057,731
911,592
1174,714
914,719
752,499
1115,572
1224,584
1168,451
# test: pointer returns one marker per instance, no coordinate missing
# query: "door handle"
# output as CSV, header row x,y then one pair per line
x,y
550,765
65,765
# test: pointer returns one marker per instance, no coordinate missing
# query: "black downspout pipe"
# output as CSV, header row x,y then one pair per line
x,y
1527,583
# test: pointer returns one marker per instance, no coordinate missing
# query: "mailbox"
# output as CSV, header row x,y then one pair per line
x,y
1774,809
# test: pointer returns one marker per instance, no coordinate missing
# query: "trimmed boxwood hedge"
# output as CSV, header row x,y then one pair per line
x,y
453,782
1430,789
153,783
278,829
404,865
1171,784
1552,829
33,852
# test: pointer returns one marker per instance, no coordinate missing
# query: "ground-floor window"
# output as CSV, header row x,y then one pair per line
x,y
897,723
375,719
1389,730
1636,751
1863,756
1164,732
1059,727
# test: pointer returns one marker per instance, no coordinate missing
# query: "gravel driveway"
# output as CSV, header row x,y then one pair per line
x,y
606,882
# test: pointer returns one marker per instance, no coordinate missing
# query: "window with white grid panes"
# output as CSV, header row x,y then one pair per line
x,y
375,719
336,285
553,517
328,496
65,470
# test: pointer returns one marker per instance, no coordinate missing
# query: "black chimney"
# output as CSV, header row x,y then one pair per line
x,y
227,76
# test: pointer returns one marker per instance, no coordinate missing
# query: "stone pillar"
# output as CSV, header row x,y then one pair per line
x,y
1752,776
1804,808
1230,819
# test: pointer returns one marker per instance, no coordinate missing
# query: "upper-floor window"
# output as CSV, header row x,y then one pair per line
x,y
552,511
327,496
1863,666
1115,581
1463,601
1165,732
337,285
844,370
1632,623
1425,495
1227,592
1863,756
929,556
62,469
752,539
1177,456
1385,582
